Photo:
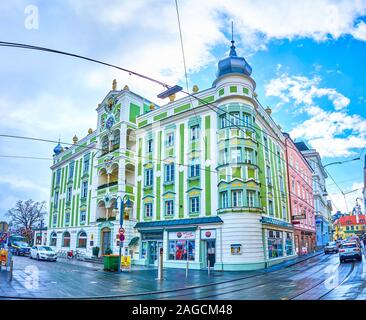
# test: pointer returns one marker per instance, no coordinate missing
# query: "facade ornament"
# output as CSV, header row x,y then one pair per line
x,y
268,110
90,131
195,88
152,107
75,139
172,97
126,88
114,85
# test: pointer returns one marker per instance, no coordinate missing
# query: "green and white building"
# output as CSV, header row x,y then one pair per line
x,y
206,175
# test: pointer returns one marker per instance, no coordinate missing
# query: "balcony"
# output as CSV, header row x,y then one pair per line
x,y
107,185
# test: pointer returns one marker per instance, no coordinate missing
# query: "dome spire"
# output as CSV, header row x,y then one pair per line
x,y
232,48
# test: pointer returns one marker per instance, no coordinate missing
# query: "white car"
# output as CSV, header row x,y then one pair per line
x,y
43,253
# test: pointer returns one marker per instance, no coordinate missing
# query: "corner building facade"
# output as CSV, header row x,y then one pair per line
x,y
206,175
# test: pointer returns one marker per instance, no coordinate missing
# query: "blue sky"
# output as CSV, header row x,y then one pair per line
x,y
307,60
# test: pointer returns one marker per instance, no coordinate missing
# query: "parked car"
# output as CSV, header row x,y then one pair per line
x,y
331,247
19,248
350,251
43,253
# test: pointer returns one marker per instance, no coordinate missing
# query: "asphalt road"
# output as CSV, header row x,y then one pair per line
x,y
321,277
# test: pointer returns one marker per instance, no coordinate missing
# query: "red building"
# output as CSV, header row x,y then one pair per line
x,y
301,198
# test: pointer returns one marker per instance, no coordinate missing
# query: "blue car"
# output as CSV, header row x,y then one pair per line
x,y
20,248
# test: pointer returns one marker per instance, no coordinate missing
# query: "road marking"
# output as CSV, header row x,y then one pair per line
x,y
93,282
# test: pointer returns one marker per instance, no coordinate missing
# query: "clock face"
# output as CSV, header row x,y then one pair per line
x,y
110,122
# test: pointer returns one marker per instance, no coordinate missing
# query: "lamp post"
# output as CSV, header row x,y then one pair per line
x,y
41,224
125,202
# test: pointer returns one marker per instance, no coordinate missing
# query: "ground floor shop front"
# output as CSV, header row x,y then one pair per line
x,y
305,241
230,242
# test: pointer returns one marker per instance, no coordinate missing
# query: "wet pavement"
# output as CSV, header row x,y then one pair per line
x,y
317,277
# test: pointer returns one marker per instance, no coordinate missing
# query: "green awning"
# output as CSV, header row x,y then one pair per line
x,y
134,241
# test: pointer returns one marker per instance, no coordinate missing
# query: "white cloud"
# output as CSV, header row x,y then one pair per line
x,y
359,31
348,201
334,132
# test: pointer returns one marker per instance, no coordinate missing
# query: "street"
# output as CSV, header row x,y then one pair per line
x,y
320,277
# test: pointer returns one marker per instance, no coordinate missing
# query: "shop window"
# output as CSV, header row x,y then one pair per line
x,y
178,250
53,239
82,238
66,239
289,244
143,250
275,244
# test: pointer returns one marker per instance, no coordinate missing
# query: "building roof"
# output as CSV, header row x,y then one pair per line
x,y
301,146
178,222
352,220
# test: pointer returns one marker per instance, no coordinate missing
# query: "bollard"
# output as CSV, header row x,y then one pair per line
x,y
208,266
187,268
11,270
160,265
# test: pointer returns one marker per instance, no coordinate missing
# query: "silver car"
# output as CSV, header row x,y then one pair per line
x,y
350,251
43,253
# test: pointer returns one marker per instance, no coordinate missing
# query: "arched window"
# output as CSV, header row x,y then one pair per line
x,y
53,239
82,239
66,239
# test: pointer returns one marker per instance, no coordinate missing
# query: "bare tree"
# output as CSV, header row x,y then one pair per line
x,y
26,215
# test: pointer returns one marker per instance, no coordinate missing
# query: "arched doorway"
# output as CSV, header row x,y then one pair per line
x,y
106,238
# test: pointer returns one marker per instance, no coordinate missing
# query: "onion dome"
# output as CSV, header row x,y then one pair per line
x,y
233,64
58,149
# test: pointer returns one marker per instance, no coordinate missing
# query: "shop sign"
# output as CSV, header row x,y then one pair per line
x,y
299,217
235,249
181,235
126,263
208,234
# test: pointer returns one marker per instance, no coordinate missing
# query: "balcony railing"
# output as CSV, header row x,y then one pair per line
x,y
107,185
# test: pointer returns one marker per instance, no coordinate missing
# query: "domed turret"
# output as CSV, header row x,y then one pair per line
x,y
58,149
233,63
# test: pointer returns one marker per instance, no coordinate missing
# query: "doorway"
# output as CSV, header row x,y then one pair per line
x,y
154,248
106,240
210,252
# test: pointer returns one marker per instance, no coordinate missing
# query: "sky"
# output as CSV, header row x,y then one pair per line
x,y
307,59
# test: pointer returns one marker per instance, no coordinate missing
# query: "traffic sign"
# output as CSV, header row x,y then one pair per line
x,y
121,230
121,237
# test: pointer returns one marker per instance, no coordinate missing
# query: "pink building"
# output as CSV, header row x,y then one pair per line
x,y
301,198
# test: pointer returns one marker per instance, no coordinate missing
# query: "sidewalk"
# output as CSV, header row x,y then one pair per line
x,y
75,279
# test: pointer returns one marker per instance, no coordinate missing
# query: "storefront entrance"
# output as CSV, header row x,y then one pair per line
x,y
153,251
211,252
106,240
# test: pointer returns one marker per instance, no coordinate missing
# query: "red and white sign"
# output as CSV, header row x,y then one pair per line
x,y
208,234
181,235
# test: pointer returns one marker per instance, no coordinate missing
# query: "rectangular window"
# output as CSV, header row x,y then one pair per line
x,y
270,207
170,139
86,163
234,119
84,189
266,149
69,193
195,132
82,216
67,218
223,122
56,200
149,145
284,213
269,176
54,219
148,209
248,156
148,177
194,168
246,119
236,156
71,169
169,208
178,249
282,187
251,198
279,160
58,177
237,198
224,200
223,156
169,172
194,204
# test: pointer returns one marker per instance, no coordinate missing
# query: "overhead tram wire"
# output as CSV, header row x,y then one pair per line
x,y
185,70
26,46
25,157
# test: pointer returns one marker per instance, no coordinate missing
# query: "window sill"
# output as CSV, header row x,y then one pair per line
x,y
194,178
168,183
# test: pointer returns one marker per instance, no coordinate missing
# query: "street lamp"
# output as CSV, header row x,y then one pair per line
x,y
125,202
41,227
